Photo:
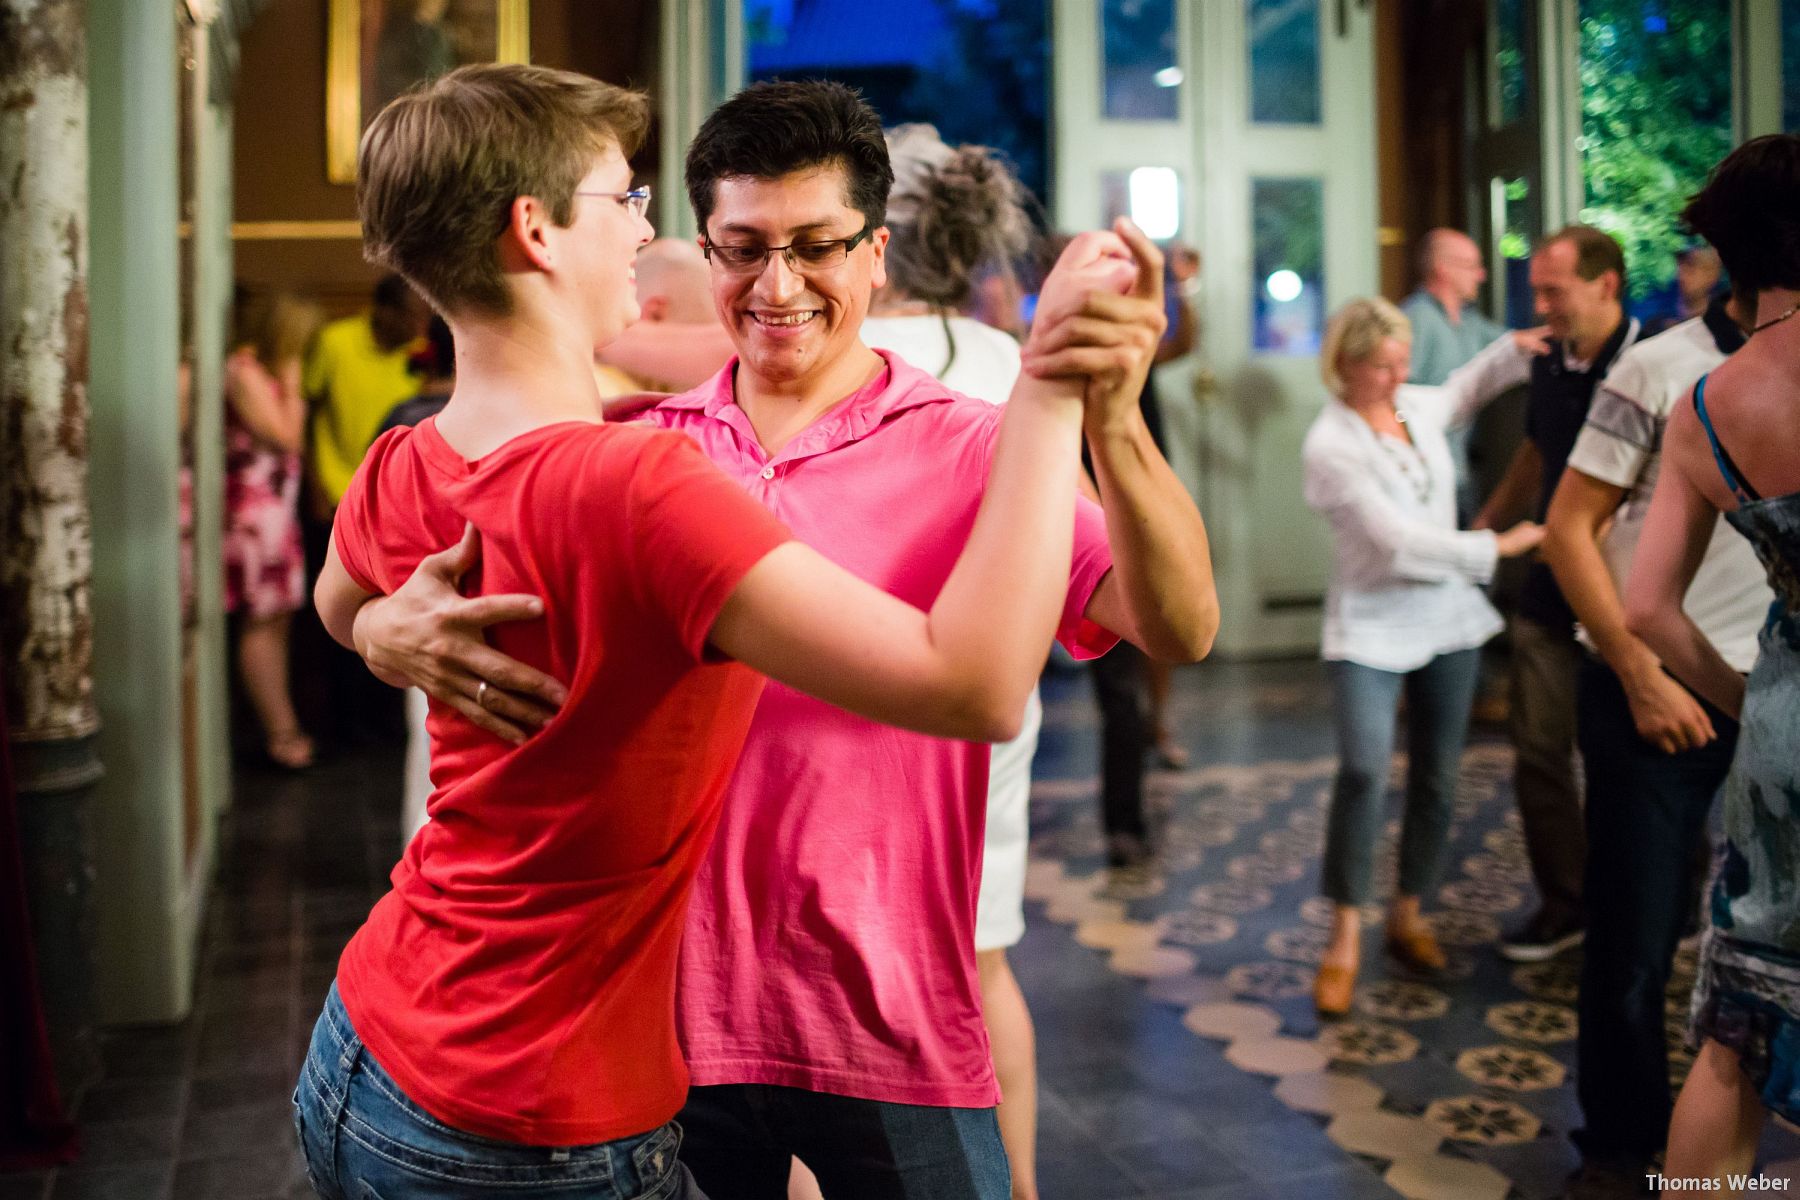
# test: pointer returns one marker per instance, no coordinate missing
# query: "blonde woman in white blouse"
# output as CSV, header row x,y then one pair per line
x,y
1404,612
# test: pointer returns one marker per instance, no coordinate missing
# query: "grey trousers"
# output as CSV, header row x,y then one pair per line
x,y
1545,667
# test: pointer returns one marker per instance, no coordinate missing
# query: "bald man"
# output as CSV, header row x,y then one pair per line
x,y
1447,329
678,343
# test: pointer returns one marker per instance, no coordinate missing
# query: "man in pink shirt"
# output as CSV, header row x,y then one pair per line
x,y
828,1001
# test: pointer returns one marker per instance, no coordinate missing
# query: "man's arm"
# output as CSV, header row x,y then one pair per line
x,y
1160,593
1513,495
1665,713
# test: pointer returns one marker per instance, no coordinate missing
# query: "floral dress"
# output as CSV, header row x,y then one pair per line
x,y
265,566
1748,994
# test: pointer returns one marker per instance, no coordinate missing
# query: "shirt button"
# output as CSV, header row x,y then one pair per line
x,y
768,472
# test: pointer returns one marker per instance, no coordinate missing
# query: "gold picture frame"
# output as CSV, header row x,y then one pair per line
x,y
356,56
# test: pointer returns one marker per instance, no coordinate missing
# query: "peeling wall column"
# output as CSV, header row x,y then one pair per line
x,y
46,620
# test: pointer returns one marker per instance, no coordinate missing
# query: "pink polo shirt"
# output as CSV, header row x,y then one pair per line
x,y
830,937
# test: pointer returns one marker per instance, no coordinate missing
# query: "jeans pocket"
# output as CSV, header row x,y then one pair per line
x,y
656,1163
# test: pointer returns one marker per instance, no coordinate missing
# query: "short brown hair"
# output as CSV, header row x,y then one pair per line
x,y
1748,211
440,167
1596,252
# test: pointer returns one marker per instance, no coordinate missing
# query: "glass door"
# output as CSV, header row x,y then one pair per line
x,y
1246,129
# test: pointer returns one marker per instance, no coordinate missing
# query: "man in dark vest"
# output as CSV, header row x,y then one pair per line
x,y
1578,282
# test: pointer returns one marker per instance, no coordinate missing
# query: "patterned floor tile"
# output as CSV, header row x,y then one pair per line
x,y
1263,870
1194,927
1399,1000
1367,1043
1117,935
1480,897
1533,1021
1327,1093
1454,927
1230,897
1557,981
1383,1134
1187,991
1152,962
1231,1022
1511,1067
1270,980
1299,944
1481,1120
1439,1177
1275,1055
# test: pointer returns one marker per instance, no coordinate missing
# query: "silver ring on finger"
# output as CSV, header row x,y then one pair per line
x,y
481,694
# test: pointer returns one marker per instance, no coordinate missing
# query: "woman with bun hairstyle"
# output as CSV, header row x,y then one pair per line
x,y
956,211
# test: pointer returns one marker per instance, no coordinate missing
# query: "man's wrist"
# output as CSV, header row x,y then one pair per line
x,y
1114,426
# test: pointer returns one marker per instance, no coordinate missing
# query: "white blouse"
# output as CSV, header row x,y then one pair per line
x,y
1405,582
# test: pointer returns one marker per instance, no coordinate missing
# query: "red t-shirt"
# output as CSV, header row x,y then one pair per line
x,y
518,981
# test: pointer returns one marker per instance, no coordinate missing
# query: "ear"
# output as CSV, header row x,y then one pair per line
x,y
878,272
526,235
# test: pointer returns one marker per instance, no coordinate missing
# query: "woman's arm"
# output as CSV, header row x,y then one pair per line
x,y
274,414
1342,488
1504,364
1670,550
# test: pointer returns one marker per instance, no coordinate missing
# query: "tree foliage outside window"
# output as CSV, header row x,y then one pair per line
x,y
1655,118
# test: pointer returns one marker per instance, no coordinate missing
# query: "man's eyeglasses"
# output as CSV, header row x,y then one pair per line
x,y
799,256
636,201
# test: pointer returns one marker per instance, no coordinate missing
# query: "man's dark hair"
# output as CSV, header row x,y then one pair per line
x,y
1750,211
1596,252
773,129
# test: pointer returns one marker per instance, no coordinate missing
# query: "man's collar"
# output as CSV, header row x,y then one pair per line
x,y
896,388
1726,333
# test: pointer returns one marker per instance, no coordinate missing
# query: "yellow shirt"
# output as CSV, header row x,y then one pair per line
x,y
356,384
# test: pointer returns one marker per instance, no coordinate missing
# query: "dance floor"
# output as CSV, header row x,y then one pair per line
x,y
1179,1052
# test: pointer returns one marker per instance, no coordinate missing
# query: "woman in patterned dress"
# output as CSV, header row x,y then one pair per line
x,y
265,569
1736,449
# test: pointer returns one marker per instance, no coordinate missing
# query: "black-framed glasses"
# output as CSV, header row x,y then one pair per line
x,y
636,201
799,256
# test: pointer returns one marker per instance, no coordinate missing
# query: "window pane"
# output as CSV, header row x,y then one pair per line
x,y
1790,65
1510,39
1150,196
950,63
1288,284
1518,231
1655,117
1284,61
1143,71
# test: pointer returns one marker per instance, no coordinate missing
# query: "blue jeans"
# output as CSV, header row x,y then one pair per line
x,y
364,1140
741,1136
1438,697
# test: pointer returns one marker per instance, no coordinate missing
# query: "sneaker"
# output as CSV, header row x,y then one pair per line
x,y
1544,937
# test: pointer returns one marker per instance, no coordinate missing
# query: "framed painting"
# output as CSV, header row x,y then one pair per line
x,y
376,49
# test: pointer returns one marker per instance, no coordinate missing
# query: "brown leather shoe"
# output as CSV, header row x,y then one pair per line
x,y
1333,988
1418,950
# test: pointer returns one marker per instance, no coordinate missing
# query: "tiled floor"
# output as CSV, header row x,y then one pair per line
x,y
1179,1055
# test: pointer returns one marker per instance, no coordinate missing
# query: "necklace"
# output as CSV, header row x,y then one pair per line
x,y
1762,325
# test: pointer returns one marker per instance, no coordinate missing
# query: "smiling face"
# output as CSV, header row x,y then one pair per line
x,y
790,326
1576,310
600,246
